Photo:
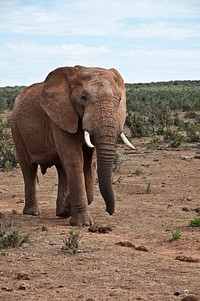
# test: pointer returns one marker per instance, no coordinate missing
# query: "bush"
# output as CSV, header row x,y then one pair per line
x,y
8,158
7,96
72,243
193,133
173,138
176,235
138,125
156,108
195,222
153,143
10,237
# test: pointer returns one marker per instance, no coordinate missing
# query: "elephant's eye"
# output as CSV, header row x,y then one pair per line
x,y
83,98
118,98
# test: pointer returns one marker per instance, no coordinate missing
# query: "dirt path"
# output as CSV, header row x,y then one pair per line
x,y
137,260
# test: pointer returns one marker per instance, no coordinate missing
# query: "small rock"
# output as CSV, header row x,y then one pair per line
x,y
197,210
177,294
145,164
186,157
141,248
187,259
21,276
23,286
7,289
126,244
185,209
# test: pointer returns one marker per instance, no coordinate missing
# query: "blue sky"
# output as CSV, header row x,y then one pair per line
x,y
146,40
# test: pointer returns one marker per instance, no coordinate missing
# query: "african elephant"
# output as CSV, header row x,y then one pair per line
x,y
58,122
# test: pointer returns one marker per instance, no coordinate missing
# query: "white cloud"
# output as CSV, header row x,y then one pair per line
x,y
33,62
146,40
101,18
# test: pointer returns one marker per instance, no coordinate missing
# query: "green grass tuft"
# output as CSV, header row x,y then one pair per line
x,y
195,222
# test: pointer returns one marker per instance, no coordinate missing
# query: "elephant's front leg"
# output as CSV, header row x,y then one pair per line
x,y
69,148
78,196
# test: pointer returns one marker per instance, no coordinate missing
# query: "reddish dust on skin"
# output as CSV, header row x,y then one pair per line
x,y
127,256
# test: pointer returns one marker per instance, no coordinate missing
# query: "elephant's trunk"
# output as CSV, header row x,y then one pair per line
x,y
105,156
104,130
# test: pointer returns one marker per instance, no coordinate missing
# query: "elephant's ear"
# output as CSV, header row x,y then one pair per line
x,y
122,106
56,101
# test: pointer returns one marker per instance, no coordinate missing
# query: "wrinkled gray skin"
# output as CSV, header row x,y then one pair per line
x,y
47,126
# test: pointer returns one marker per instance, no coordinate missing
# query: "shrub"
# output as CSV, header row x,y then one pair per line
x,y
176,235
72,243
191,115
10,237
148,189
193,133
138,125
195,222
153,143
8,157
173,138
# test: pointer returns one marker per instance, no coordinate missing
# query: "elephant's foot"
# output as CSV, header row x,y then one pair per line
x,y
31,211
64,212
63,207
80,219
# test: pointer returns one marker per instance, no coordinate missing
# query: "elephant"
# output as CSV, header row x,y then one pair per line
x,y
71,120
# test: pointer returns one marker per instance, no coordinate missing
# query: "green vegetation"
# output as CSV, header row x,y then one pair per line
x,y
8,157
172,95
156,109
10,237
168,112
148,189
195,222
7,96
72,243
137,172
176,235
154,143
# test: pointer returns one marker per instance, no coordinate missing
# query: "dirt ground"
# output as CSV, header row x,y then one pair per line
x,y
137,260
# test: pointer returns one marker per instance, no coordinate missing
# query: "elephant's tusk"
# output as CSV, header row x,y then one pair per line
x,y
87,139
126,141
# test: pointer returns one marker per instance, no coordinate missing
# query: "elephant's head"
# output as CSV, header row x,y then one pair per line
x,y
95,98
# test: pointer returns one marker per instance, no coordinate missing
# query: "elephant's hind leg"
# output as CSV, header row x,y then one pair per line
x,y
29,171
63,205
30,178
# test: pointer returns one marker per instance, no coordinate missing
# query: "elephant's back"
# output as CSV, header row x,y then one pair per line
x,y
27,112
27,99
31,124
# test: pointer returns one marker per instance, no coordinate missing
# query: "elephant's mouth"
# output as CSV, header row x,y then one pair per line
x,y
122,135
